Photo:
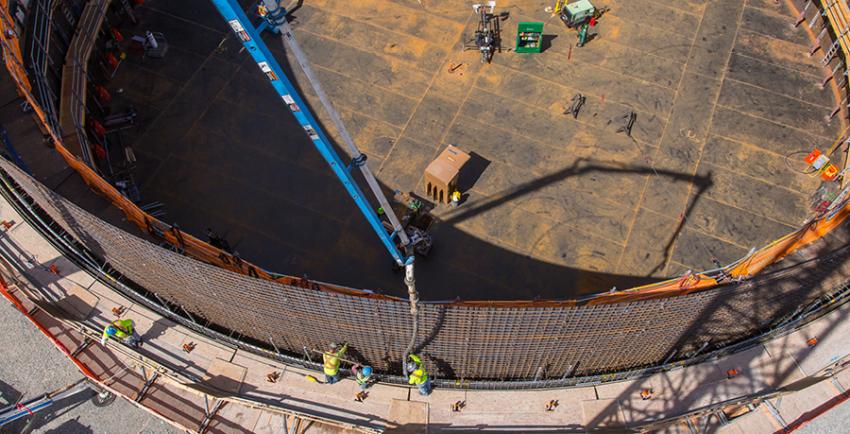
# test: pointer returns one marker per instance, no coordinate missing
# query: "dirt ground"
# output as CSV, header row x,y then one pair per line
x,y
555,207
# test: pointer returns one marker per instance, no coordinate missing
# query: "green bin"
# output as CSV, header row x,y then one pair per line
x,y
529,38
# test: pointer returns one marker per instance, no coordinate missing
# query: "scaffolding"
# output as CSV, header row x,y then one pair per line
x,y
497,342
610,332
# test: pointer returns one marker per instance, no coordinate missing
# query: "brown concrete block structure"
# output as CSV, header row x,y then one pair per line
x,y
442,174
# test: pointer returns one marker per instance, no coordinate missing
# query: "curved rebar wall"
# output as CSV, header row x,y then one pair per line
x,y
460,342
615,335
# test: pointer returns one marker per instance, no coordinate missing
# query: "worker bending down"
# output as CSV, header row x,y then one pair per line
x,y
331,361
123,329
417,375
363,376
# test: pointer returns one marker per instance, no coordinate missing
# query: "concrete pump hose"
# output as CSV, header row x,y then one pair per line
x,y
414,312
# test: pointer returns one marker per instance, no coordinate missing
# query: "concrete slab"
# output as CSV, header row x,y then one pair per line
x,y
843,378
622,389
226,376
109,299
756,162
571,196
79,302
36,253
163,336
771,50
602,413
207,349
336,400
81,278
408,412
643,257
772,24
715,38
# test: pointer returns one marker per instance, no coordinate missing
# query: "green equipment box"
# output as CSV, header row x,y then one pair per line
x,y
529,38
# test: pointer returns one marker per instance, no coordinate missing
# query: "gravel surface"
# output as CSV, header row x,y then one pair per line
x,y
31,365
831,422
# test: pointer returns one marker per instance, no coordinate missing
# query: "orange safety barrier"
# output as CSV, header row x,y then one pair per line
x,y
203,251
10,34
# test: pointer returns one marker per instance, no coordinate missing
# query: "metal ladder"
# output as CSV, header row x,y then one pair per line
x,y
833,48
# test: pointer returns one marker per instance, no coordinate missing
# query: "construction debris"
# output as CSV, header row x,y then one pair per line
x,y
576,105
273,377
628,122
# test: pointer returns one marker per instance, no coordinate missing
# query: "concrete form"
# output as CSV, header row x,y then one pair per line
x,y
788,372
579,207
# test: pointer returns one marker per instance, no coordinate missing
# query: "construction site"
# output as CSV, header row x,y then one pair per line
x,y
430,215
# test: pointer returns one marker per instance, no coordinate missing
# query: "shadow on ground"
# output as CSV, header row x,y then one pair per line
x,y
32,423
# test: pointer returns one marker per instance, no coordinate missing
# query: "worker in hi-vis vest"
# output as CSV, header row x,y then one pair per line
x,y
123,329
362,376
417,375
331,361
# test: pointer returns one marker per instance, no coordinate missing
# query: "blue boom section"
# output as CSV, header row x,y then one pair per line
x,y
250,37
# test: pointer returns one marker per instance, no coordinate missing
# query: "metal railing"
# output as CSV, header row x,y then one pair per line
x,y
75,76
40,62
829,20
603,337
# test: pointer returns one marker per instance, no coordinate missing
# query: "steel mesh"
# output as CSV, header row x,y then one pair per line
x,y
463,342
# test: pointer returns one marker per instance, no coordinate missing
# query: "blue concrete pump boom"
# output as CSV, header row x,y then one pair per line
x,y
275,17
250,37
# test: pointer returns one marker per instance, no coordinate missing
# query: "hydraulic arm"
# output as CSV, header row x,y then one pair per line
x,y
275,17
250,37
